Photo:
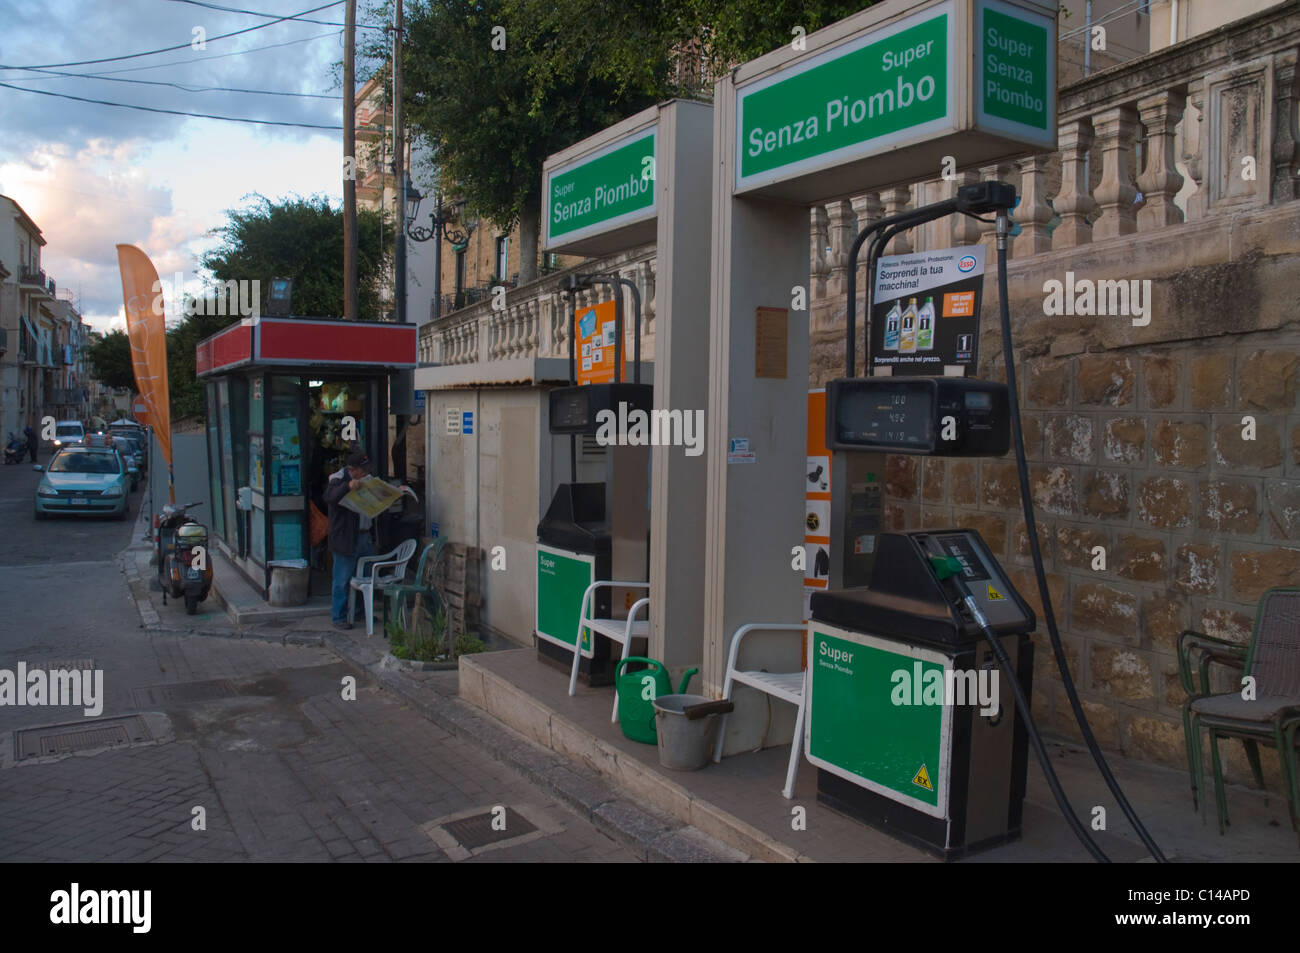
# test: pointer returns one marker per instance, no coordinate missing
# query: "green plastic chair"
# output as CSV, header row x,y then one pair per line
x,y
1273,659
426,571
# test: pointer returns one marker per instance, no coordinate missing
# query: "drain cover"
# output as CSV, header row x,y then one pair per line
x,y
79,736
181,693
477,831
62,664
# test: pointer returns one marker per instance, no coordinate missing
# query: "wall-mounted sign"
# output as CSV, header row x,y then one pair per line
x,y
925,312
609,188
595,342
467,423
453,421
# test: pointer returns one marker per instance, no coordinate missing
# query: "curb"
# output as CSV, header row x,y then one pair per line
x,y
650,837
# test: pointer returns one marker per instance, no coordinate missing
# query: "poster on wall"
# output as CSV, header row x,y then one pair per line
x,y
817,501
595,343
925,313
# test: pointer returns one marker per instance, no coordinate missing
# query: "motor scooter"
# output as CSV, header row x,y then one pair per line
x,y
184,565
16,449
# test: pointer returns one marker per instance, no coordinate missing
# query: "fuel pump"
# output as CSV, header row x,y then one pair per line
x,y
931,614
594,530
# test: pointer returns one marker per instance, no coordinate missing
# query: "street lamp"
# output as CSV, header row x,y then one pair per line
x,y
440,220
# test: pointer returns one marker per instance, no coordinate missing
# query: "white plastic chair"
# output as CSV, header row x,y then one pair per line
x,y
620,630
787,686
378,572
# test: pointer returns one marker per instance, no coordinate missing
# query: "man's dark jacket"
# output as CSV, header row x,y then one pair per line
x,y
345,524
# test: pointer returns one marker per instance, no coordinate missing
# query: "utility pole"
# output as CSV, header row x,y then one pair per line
x,y
401,382
350,164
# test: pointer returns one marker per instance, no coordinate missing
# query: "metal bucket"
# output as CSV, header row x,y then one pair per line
x,y
686,744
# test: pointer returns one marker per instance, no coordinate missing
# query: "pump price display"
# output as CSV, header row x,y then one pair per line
x,y
901,417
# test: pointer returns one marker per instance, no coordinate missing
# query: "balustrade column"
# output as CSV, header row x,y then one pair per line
x,y
1116,131
895,201
818,267
1033,213
1286,150
1160,180
1075,202
839,217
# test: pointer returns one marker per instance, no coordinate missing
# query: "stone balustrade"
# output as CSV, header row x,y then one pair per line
x,y
534,321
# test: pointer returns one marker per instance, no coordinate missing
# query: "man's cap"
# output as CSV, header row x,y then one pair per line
x,y
359,459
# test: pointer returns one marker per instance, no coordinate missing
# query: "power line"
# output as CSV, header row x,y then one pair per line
x,y
170,112
214,56
185,87
255,13
181,46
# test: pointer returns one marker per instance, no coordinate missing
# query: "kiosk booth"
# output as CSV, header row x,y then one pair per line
x,y
287,400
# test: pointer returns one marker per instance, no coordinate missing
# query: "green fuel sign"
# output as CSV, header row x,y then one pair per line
x,y
891,99
611,187
1015,71
562,580
862,728
887,87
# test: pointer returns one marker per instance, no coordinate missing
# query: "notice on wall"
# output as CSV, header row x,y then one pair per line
x,y
597,331
925,312
817,501
771,342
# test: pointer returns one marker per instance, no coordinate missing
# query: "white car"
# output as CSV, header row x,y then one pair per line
x,y
68,433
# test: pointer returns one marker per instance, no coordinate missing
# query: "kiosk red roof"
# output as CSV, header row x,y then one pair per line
x,y
307,342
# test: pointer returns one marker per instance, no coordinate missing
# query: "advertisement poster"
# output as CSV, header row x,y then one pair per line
x,y
595,342
817,501
925,312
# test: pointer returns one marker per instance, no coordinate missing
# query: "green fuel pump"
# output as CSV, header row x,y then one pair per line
x,y
931,599
593,530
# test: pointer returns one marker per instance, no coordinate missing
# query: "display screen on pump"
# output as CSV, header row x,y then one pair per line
x,y
945,416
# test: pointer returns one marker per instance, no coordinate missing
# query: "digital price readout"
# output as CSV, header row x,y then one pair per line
x,y
941,416
575,409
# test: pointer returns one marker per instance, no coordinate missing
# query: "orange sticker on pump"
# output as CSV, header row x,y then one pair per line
x,y
959,304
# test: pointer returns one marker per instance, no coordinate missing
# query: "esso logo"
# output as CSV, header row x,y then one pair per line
x,y
966,263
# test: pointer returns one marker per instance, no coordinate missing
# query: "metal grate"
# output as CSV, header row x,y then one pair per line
x,y
476,831
181,693
68,739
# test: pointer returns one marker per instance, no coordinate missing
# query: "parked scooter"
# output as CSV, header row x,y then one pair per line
x,y
184,565
16,449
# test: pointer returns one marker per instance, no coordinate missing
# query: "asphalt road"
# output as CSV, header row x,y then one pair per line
x,y
255,737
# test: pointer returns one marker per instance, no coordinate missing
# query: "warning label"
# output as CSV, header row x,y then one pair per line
x,y
922,779
994,594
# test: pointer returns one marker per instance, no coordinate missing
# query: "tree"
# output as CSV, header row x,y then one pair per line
x,y
301,239
110,360
495,86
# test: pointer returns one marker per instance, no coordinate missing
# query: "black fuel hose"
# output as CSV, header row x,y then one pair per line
x,y
1022,710
1031,528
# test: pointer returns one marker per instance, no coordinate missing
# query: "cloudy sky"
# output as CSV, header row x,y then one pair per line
x,y
94,175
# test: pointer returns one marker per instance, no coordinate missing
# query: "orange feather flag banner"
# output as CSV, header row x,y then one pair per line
x,y
146,326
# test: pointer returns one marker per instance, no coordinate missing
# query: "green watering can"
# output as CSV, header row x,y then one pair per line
x,y
637,692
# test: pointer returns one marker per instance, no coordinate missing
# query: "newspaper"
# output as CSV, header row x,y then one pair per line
x,y
372,497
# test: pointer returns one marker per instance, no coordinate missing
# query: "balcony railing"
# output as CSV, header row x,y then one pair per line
x,y
534,322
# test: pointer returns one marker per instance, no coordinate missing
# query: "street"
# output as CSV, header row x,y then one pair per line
x,y
256,735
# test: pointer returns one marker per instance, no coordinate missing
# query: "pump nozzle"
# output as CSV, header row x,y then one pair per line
x,y
945,566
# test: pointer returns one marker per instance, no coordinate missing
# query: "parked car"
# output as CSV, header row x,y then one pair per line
x,y
68,433
139,445
83,480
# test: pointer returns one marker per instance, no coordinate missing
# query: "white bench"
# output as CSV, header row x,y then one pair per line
x,y
620,630
787,686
